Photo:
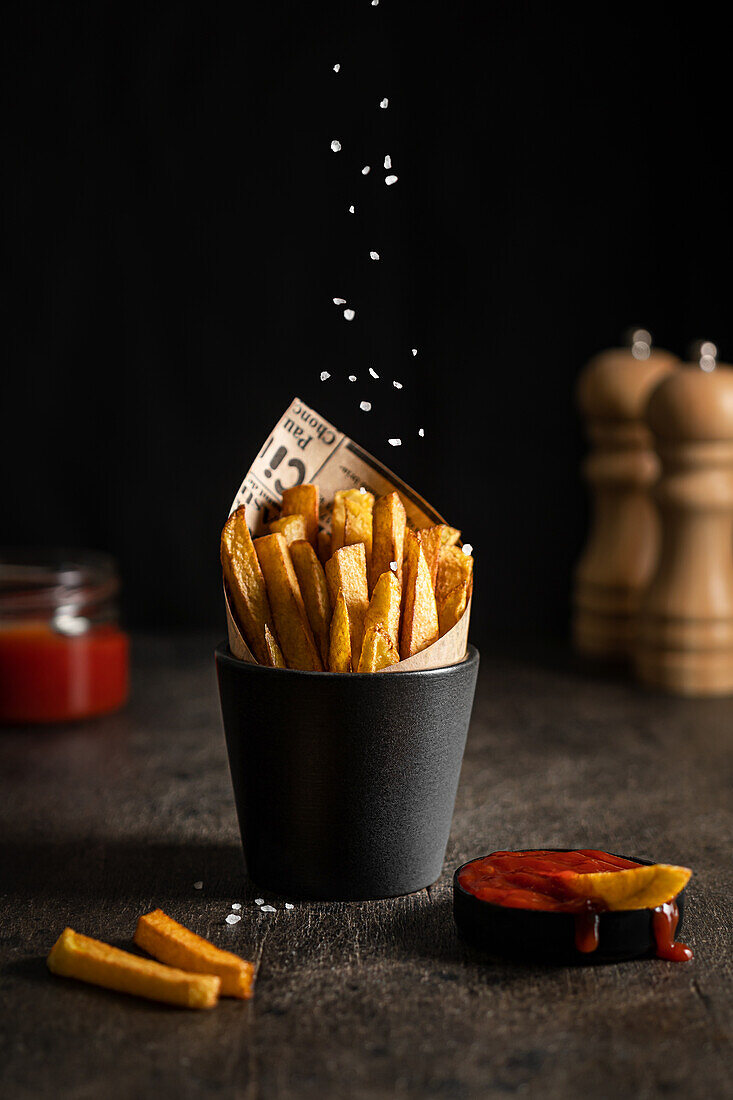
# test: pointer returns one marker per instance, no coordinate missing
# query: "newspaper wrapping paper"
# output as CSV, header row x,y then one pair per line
x,y
304,447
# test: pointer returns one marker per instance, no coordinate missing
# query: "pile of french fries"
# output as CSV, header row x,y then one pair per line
x,y
371,593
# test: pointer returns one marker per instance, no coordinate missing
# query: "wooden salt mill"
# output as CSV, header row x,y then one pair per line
x,y
622,546
685,638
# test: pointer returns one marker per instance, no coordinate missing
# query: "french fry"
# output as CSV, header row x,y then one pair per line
x,y
275,657
338,514
420,613
431,540
291,621
643,887
339,652
172,943
303,500
383,612
77,956
449,536
377,651
245,584
314,590
324,547
292,527
346,570
453,588
388,527
358,522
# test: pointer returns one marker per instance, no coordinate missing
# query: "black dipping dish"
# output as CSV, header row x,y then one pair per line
x,y
543,936
345,784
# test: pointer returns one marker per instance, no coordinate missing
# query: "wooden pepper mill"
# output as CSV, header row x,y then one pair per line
x,y
623,543
685,636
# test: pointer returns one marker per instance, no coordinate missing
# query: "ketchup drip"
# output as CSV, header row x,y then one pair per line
x,y
538,879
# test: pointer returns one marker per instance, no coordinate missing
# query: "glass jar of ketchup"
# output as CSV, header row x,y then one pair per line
x,y
63,656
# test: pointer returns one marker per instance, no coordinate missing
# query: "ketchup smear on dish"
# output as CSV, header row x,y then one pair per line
x,y
535,880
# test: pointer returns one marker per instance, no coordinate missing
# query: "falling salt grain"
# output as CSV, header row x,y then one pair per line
x,y
414,351
349,314
352,378
397,385
375,3
373,372
198,885
268,909
383,103
324,375
259,901
374,255
336,68
362,489
233,918
339,301
236,905
365,170
389,180
351,210
289,905
421,432
393,566
336,146
366,406
467,548
395,442
388,161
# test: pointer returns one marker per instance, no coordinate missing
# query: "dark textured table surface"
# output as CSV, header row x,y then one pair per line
x,y
103,821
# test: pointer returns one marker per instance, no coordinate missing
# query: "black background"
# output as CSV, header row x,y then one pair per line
x,y
176,226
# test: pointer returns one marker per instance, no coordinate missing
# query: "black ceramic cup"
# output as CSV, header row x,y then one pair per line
x,y
344,784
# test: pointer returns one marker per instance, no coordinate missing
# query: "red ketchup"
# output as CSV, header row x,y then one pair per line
x,y
538,880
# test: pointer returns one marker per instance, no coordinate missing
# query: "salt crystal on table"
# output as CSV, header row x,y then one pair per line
x,y
397,385
349,314
289,905
259,901
339,301
388,161
352,378
373,372
365,170
389,180
197,885
414,351
268,909
395,442
374,255
336,146
324,375
336,68
351,210
365,406
236,905
421,432
467,548
233,918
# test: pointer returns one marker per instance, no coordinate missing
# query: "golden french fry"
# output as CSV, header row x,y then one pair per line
x,y
420,613
358,522
324,547
339,653
388,539
643,887
383,612
77,956
338,514
291,621
275,657
303,500
449,536
314,590
377,651
245,584
453,588
172,943
292,527
431,540
346,570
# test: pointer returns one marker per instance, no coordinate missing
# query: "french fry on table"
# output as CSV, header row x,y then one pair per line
x,y
245,584
314,590
453,589
77,956
346,570
338,514
303,500
388,537
419,612
358,522
172,943
275,657
377,651
339,652
291,621
292,527
431,540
